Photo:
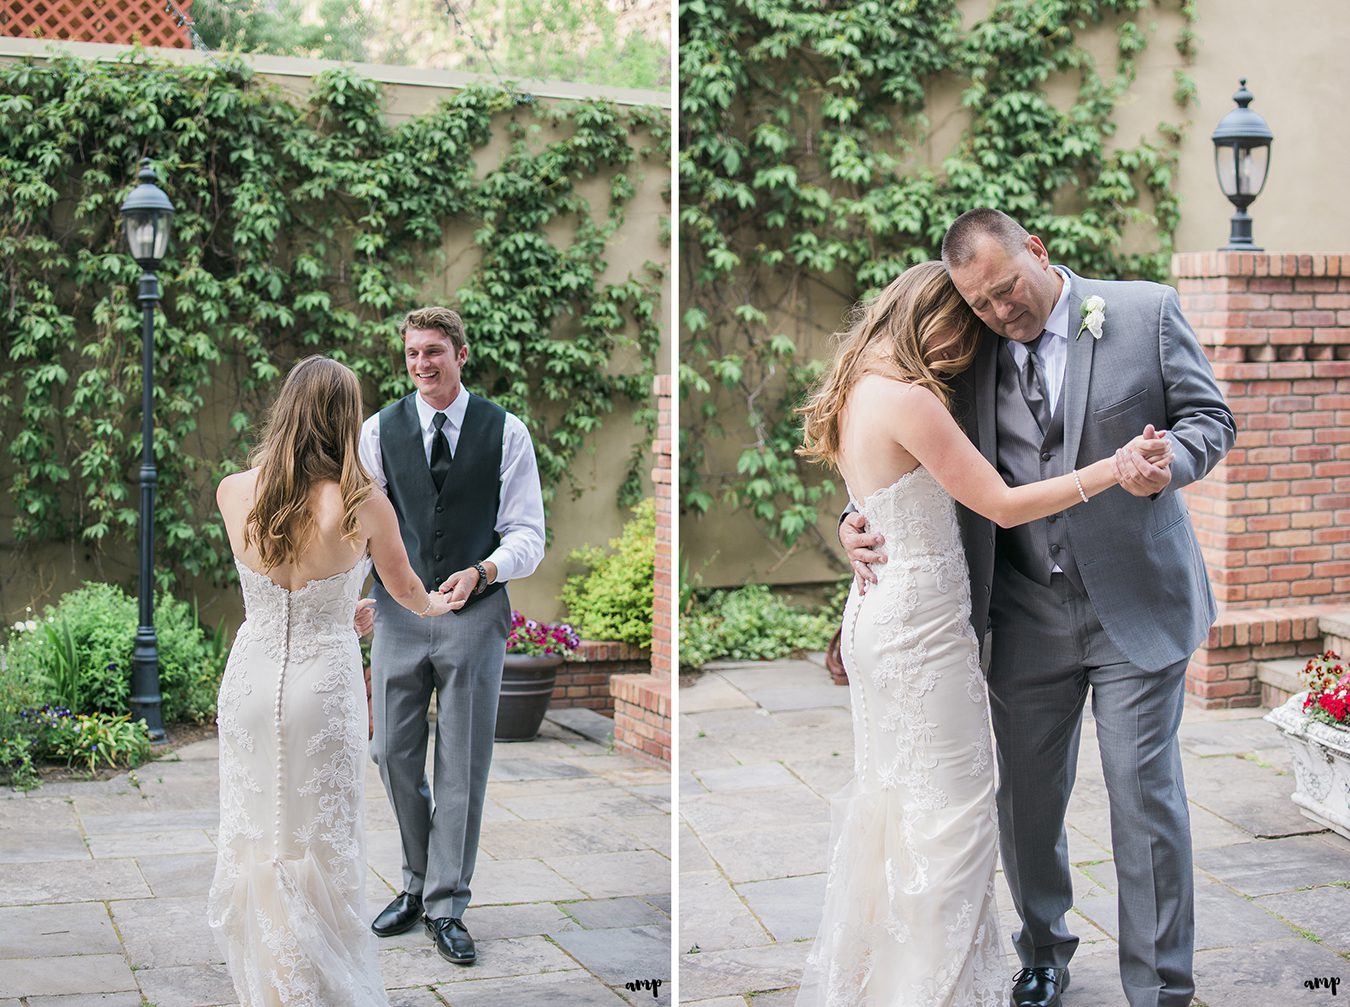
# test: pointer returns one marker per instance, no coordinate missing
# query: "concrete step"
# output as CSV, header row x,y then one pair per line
x,y
1280,680
584,722
1335,629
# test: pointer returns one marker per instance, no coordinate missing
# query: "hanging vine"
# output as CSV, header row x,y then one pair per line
x,y
300,228
803,167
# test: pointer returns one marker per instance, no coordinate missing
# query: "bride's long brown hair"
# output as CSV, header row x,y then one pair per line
x,y
310,436
917,330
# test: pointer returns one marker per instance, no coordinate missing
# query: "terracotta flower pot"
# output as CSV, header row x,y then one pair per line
x,y
527,686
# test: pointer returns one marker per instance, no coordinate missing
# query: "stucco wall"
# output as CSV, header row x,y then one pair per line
x,y
583,514
1298,90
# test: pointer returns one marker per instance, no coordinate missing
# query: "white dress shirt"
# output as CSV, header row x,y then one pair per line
x,y
1054,346
520,514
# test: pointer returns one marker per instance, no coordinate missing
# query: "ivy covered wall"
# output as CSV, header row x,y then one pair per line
x,y
307,224
825,147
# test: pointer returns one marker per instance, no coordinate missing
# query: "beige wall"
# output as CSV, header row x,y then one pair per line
x,y
584,512
1300,92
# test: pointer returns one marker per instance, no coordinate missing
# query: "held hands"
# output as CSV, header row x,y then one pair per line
x,y
438,603
463,583
861,547
460,585
1143,467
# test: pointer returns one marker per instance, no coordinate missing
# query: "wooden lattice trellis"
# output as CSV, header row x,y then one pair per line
x,y
145,22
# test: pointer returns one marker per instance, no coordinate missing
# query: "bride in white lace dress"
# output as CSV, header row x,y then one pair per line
x,y
286,903
909,917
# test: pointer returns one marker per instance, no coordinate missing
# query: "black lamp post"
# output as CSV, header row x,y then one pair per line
x,y
1242,159
148,215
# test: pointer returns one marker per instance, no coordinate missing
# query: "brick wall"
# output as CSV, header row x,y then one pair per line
x,y
642,702
642,716
1274,518
583,679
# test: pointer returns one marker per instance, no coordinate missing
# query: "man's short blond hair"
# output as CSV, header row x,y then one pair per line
x,y
440,319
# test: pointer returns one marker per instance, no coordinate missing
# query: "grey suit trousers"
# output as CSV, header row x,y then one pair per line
x,y
1047,649
460,655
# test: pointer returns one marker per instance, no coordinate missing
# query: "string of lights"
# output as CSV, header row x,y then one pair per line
x,y
183,21
462,24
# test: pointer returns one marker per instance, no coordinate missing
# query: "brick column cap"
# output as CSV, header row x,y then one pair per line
x,y
1202,264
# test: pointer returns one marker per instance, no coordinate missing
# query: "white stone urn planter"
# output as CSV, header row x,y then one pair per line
x,y
1321,764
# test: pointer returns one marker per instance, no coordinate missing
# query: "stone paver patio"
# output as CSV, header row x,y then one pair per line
x,y
103,886
762,747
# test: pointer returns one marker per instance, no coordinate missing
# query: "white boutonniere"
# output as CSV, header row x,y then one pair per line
x,y
1093,310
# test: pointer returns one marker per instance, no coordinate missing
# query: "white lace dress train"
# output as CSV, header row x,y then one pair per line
x,y
910,918
287,901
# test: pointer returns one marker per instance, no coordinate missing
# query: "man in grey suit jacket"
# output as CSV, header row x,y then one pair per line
x,y
1111,595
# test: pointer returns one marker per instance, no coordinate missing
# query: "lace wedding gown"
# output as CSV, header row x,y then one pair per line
x,y
287,900
910,918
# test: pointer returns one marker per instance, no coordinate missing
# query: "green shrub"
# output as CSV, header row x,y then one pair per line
x,y
97,624
612,600
751,623
53,733
16,763
100,738
25,684
22,687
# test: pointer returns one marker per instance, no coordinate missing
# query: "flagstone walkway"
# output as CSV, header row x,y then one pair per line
x,y
103,886
763,746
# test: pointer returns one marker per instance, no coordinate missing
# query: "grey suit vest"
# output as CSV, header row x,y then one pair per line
x,y
456,528
1025,456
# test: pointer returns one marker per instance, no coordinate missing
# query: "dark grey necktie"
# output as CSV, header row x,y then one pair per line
x,y
1031,378
440,452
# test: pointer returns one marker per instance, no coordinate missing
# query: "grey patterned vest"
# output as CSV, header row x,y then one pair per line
x,y
1025,456
456,528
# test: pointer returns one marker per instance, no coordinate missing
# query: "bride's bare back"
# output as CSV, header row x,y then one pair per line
x,y
870,457
325,555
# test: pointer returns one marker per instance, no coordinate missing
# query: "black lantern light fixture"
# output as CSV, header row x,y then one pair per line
x,y
1242,159
148,216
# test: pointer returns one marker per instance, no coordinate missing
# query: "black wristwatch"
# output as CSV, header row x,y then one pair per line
x,y
482,584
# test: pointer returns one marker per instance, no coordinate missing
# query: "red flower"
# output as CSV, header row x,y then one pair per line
x,y
1328,696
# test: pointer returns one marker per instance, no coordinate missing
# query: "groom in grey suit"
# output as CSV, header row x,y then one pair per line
x,y
461,474
1111,595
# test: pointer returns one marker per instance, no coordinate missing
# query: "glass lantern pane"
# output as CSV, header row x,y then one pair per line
x,y
161,226
140,235
1252,170
148,234
1226,163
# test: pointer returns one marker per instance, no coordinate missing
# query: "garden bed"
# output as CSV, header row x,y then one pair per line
x,y
177,736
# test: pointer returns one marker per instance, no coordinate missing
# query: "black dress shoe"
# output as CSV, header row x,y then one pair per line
x,y
452,940
399,916
1039,987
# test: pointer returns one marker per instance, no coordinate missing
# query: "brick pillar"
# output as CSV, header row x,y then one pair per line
x,y
642,702
1274,518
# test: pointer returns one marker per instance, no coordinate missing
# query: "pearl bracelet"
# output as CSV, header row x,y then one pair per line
x,y
1079,483
423,614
